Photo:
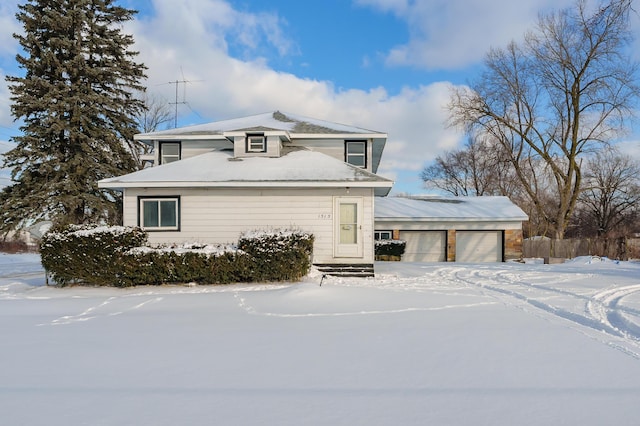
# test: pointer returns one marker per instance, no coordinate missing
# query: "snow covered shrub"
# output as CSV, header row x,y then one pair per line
x,y
208,265
278,254
89,253
118,256
390,248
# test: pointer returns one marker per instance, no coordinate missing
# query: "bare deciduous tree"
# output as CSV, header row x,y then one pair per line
x,y
475,169
611,192
566,90
156,112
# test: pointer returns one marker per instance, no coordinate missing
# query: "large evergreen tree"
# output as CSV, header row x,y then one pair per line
x,y
77,102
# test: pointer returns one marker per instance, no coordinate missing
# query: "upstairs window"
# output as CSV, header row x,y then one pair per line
x,y
159,214
355,153
256,143
169,152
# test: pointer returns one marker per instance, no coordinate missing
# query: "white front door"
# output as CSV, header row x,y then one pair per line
x,y
347,223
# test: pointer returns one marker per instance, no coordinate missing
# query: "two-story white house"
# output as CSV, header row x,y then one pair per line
x,y
211,182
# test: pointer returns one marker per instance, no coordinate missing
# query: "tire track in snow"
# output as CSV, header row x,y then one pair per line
x,y
605,307
603,312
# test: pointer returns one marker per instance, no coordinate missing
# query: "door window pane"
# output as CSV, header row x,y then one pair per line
x,y
348,223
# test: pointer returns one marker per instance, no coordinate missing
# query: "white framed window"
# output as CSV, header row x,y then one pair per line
x,y
355,153
169,152
159,213
256,143
383,235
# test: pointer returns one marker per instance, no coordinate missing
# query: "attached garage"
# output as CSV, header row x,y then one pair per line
x,y
424,246
479,246
452,229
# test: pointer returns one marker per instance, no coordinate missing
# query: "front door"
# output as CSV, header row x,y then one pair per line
x,y
347,235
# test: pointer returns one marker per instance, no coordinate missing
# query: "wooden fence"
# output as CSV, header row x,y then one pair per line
x,y
613,248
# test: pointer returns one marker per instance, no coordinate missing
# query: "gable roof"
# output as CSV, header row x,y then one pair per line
x,y
297,168
435,208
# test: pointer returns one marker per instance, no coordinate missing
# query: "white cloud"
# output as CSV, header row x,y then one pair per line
x,y
456,33
226,87
8,26
8,49
6,120
197,38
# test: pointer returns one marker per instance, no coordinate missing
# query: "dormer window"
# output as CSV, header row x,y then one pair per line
x,y
355,153
256,143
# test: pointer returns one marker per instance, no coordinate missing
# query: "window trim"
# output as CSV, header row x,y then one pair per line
x,y
142,199
248,138
377,235
161,155
363,155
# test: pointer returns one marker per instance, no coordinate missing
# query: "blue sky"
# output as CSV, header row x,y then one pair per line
x,y
386,65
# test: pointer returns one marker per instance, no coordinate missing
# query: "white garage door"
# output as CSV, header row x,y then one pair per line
x,y
479,246
424,246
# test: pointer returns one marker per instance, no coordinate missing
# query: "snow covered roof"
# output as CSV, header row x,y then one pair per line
x,y
220,169
292,124
288,126
435,208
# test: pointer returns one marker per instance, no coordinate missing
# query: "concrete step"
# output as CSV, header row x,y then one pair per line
x,y
346,270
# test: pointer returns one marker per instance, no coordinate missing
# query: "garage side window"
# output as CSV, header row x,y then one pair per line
x,y
383,235
159,214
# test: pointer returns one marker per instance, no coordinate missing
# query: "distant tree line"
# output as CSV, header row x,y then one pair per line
x,y
541,119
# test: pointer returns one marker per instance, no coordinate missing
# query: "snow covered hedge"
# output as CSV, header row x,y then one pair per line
x,y
91,254
119,256
282,253
390,247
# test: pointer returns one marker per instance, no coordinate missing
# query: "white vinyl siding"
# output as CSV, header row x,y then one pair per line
x,y
220,215
192,148
478,246
331,147
424,246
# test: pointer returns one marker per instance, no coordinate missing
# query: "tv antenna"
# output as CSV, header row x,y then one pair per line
x,y
184,96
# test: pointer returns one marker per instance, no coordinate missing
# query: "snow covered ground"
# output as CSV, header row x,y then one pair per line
x,y
438,344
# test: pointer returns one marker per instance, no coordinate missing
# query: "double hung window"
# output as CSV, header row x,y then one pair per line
x,y
169,152
356,153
